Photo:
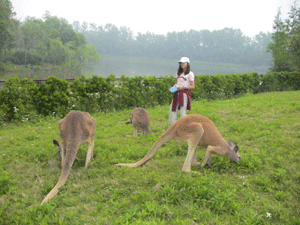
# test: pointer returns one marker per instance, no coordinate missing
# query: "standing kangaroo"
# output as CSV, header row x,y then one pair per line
x,y
75,129
196,130
140,119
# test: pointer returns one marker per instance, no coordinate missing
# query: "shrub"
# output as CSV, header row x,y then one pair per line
x,y
51,97
15,99
20,98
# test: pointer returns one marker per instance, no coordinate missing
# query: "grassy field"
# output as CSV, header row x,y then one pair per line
x,y
263,188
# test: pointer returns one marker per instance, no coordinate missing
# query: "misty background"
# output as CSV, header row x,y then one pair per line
x,y
211,52
219,37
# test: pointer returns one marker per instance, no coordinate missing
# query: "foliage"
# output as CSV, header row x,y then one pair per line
x,y
53,41
16,99
285,43
6,14
225,46
23,58
263,188
51,97
21,99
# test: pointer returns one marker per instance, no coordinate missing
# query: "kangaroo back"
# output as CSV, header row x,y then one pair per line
x,y
140,119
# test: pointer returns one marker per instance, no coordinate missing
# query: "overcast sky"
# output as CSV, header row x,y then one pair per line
x,y
162,16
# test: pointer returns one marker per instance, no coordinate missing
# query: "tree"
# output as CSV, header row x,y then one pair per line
x,y
279,45
53,41
60,28
32,35
294,35
257,52
6,14
87,57
57,52
285,46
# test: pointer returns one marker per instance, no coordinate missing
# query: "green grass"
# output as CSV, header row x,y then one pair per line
x,y
263,188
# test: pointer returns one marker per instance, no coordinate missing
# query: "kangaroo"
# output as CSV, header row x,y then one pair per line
x,y
140,119
196,130
75,129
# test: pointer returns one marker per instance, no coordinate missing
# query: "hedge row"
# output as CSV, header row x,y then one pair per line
x,y
24,99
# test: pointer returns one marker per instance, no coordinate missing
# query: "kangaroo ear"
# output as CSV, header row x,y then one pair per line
x,y
55,142
236,148
231,144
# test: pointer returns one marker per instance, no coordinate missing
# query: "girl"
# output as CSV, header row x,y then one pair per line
x,y
182,97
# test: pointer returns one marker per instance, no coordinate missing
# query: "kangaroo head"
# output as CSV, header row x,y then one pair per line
x,y
55,142
232,152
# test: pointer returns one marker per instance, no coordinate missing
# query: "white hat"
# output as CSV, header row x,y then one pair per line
x,y
184,60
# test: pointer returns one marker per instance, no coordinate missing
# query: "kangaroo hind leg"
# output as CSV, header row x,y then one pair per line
x,y
135,131
89,154
62,152
195,134
194,159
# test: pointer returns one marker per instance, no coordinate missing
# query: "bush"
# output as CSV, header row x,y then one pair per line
x,y
280,81
15,98
19,99
51,97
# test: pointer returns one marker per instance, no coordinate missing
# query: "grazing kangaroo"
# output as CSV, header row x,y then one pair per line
x,y
75,129
196,130
140,119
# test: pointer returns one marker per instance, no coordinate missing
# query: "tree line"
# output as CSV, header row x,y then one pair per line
x,y
52,40
280,49
225,46
43,41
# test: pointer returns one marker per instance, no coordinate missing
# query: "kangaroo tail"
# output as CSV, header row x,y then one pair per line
x,y
66,168
167,136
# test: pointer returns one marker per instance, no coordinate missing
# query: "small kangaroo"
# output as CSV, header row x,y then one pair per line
x,y
75,129
196,130
140,119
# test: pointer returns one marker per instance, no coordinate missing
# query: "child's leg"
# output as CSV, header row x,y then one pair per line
x,y
183,109
173,115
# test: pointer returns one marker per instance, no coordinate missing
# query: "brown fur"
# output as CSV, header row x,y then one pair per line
x,y
140,119
75,129
196,130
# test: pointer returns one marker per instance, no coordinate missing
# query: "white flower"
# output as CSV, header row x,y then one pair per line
x,y
269,215
16,109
